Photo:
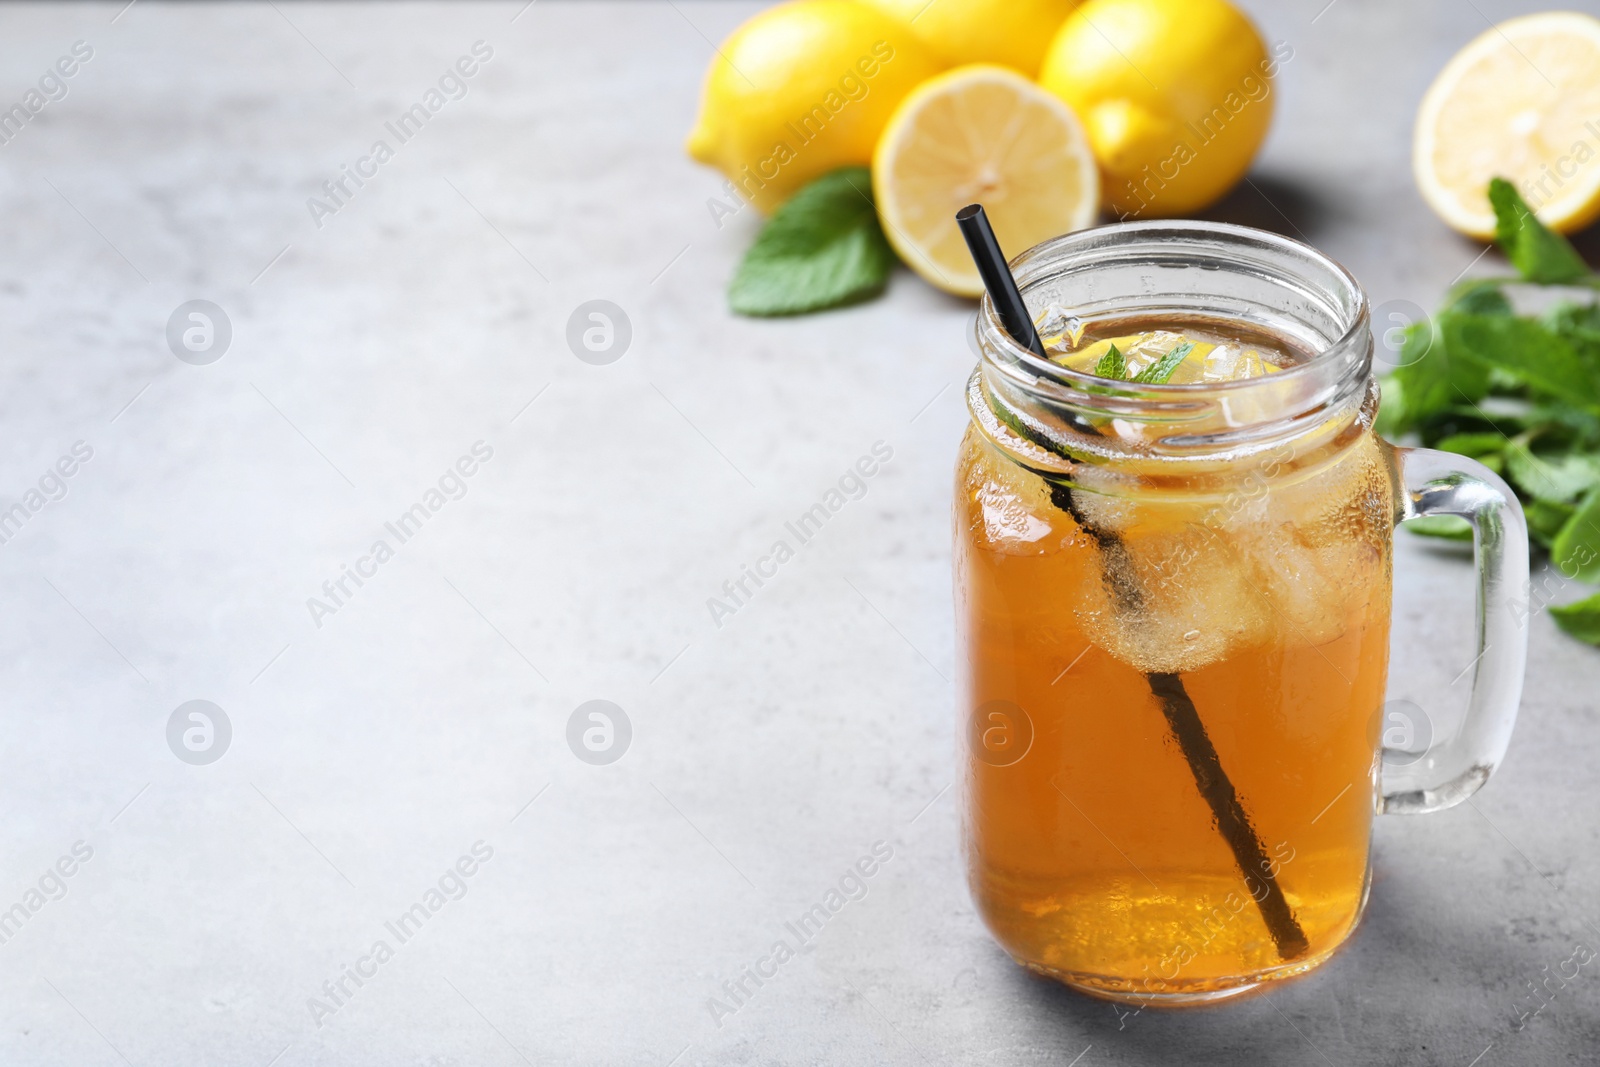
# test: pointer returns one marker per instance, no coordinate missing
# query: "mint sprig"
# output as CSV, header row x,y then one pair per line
x,y
1158,372
822,248
1519,393
1539,254
1112,365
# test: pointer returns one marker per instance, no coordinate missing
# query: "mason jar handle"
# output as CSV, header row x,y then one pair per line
x,y
1442,483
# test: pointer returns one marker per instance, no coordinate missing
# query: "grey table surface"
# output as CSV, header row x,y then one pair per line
x,y
427,712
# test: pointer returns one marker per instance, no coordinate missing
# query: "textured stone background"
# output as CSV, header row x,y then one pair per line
x,y
369,754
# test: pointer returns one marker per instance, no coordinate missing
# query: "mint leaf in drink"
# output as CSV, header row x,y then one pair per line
x,y
1158,372
1539,253
822,248
1581,620
1027,428
1112,365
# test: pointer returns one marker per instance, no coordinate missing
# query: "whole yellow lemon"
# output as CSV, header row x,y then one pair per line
x,y
1013,33
803,89
1177,96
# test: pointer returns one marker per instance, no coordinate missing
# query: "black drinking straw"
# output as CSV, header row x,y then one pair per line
x,y
1232,821
1183,719
997,279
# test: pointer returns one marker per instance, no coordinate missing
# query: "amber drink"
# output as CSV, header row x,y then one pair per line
x,y
1173,593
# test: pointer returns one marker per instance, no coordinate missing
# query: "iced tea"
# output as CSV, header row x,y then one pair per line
x,y
1174,685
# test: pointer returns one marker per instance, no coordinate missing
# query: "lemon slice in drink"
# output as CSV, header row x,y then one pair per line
x,y
980,134
1522,101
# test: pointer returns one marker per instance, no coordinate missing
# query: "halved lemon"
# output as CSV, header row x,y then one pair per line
x,y
980,134
1522,101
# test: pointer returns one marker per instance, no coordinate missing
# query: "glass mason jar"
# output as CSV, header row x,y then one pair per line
x,y
1174,606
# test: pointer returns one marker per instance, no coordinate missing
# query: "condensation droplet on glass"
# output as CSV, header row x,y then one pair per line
x,y
1059,329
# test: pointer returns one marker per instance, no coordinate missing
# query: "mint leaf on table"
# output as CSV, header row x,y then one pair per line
x,y
1524,349
1158,372
1576,548
822,248
1486,448
1580,424
1112,365
1430,380
1578,323
1476,445
1520,393
1581,620
1482,299
1555,478
1538,252
1546,521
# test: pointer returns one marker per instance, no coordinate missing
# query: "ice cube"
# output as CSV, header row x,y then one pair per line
x,y
1182,584
1231,363
1059,329
1007,521
1169,600
1222,363
1168,593
1013,512
1146,349
1316,546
